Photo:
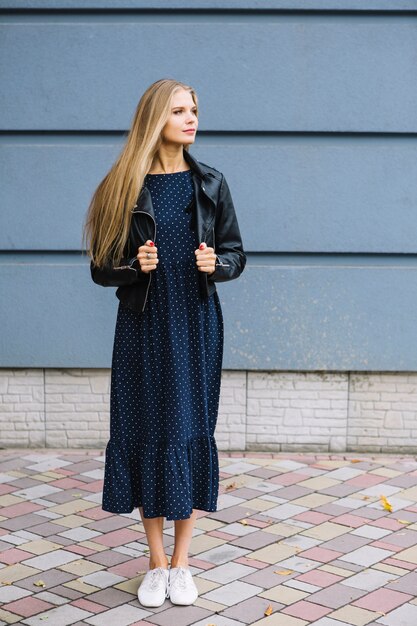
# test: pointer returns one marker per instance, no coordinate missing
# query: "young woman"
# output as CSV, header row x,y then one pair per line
x,y
161,227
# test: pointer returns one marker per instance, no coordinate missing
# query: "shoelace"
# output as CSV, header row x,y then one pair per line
x,y
180,578
155,577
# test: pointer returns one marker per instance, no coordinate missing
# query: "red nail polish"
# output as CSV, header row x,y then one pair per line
x,y
151,243
201,246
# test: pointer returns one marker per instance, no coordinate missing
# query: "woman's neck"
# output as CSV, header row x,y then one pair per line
x,y
166,162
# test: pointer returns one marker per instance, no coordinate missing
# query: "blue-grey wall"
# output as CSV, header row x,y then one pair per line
x,y
308,107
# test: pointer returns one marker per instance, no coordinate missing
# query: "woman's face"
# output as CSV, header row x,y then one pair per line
x,y
183,117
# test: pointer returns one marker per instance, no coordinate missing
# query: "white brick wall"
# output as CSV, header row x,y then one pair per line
x,y
297,411
22,408
288,411
231,424
383,412
77,407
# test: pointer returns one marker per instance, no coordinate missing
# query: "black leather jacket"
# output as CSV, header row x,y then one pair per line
x,y
214,220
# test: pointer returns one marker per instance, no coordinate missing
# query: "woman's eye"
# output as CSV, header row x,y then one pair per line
x,y
194,111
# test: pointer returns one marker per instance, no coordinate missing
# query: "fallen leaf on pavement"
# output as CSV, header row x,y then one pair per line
x,y
268,610
385,504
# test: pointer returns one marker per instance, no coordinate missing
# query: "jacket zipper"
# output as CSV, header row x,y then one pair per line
x,y
207,230
214,246
150,273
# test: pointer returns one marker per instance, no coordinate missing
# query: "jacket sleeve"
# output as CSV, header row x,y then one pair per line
x,y
127,273
230,256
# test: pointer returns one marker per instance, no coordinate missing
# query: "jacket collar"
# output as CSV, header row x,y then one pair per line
x,y
194,164
203,178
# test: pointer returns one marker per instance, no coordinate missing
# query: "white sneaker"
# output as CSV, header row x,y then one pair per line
x,y
154,588
182,589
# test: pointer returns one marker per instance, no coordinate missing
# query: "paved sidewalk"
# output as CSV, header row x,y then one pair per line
x,y
297,539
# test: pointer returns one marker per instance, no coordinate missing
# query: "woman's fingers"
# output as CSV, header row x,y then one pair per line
x,y
205,258
148,263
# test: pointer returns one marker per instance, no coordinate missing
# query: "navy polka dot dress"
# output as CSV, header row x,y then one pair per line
x,y
165,377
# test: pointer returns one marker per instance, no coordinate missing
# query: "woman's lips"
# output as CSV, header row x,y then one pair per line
x,y
191,130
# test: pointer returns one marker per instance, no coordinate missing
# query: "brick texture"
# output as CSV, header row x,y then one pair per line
x,y
266,410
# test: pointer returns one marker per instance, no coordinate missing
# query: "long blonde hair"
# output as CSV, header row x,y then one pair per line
x,y
107,224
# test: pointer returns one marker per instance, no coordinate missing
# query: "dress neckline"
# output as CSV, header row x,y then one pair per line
x,y
170,173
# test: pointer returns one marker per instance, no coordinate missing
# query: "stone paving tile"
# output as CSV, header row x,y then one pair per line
x,y
407,583
51,559
303,535
329,621
371,579
353,615
124,615
250,610
233,592
306,610
384,600
58,616
228,572
27,606
366,556
269,576
50,578
179,616
371,532
336,596
254,541
348,542
405,615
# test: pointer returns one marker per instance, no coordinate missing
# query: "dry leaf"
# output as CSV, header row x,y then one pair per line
x,y
244,522
356,460
283,572
6,582
403,521
76,495
366,497
39,583
268,610
385,504
231,486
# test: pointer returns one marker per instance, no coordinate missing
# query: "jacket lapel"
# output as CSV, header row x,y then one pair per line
x,y
205,190
205,195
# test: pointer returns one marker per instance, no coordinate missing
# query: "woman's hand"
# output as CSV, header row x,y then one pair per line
x,y
148,264
206,259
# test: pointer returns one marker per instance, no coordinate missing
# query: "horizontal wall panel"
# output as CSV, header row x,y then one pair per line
x,y
292,193
236,5
293,317
291,72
